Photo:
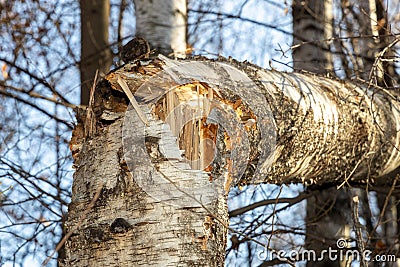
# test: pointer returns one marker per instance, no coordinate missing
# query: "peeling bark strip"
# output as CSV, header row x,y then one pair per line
x,y
271,126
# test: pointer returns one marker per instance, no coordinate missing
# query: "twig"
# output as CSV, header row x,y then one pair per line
x,y
375,67
387,199
358,229
265,202
80,221
36,95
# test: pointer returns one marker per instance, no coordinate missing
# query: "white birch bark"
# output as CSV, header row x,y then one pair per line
x,y
163,24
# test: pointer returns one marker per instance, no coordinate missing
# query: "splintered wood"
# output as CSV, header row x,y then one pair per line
x,y
186,110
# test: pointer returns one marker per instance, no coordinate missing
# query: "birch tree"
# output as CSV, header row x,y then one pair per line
x,y
294,128
180,152
163,24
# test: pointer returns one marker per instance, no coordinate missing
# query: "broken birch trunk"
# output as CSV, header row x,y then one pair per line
x,y
258,126
165,164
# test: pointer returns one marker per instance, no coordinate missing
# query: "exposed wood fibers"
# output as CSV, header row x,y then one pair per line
x,y
190,103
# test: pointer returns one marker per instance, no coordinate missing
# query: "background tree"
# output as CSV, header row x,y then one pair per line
x,y
95,47
163,24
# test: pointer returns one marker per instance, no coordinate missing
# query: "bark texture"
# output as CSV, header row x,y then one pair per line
x,y
323,130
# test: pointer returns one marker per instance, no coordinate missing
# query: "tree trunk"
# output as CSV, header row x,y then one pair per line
x,y
159,207
164,24
95,50
310,28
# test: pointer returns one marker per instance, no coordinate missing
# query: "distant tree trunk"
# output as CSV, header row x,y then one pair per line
x,y
163,23
382,72
95,50
328,213
365,57
365,49
309,29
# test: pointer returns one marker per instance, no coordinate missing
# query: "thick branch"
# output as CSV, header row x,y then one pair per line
x,y
276,127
